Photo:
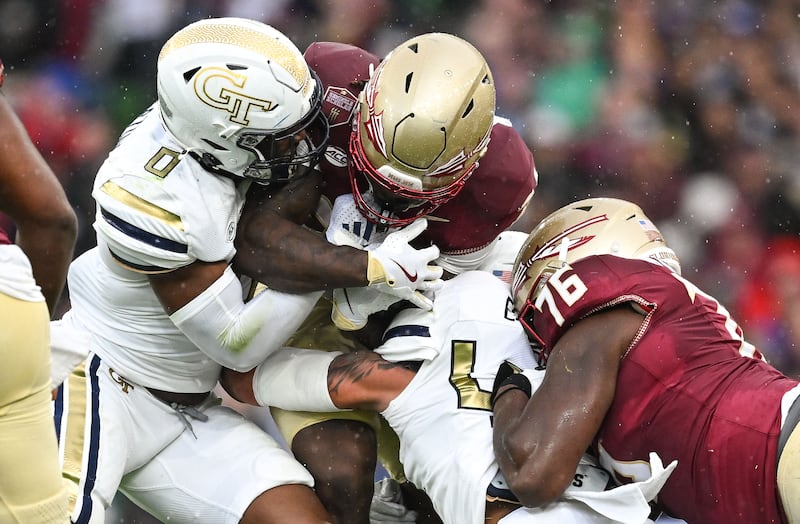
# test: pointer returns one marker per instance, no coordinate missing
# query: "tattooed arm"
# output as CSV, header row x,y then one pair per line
x,y
312,380
364,380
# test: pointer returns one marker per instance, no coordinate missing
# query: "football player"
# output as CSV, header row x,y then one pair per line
x,y
34,269
414,135
237,107
432,380
640,360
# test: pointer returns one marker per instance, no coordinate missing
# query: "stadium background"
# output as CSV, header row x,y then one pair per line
x,y
690,108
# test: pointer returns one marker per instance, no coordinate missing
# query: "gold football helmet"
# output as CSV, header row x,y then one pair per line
x,y
593,226
423,122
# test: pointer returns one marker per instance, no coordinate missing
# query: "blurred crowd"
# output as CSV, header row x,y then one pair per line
x,y
690,108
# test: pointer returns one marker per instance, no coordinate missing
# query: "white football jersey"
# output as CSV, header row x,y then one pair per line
x,y
157,210
443,417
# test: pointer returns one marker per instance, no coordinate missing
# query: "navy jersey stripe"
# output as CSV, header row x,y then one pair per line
x,y
58,410
142,235
408,330
94,443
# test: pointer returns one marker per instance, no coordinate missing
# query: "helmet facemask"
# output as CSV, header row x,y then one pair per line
x,y
391,201
287,152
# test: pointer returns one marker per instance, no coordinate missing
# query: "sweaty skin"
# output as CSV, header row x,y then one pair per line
x,y
572,401
273,250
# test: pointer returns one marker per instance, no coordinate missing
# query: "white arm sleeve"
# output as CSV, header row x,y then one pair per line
x,y
295,380
238,335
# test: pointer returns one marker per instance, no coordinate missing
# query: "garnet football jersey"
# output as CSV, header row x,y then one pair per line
x,y
689,389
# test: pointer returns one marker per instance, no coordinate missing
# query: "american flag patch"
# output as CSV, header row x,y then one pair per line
x,y
504,276
647,225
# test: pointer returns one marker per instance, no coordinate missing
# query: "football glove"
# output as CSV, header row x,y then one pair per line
x,y
401,270
353,306
387,504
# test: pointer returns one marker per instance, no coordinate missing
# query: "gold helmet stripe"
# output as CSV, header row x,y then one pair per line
x,y
244,37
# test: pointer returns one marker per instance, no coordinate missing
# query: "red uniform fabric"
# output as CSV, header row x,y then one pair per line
x,y
492,199
4,235
684,390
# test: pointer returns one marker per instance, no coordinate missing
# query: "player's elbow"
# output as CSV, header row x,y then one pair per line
x,y
535,488
238,385
535,478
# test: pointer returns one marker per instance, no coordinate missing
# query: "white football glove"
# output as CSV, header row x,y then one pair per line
x,y
387,504
399,269
353,306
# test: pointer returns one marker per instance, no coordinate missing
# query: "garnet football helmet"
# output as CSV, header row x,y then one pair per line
x,y
424,120
594,226
238,95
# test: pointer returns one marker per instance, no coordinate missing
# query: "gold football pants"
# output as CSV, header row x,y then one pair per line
x,y
30,477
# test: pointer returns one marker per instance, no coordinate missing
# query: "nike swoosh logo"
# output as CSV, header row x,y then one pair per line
x,y
409,276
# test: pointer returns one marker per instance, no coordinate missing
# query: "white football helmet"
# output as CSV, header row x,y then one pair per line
x,y
238,95
593,226
424,120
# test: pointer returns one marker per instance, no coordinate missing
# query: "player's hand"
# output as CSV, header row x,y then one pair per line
x,y
353,306
403,271
509,376
387,504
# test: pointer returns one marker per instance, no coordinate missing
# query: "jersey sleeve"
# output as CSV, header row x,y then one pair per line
x,y
158,210
493,198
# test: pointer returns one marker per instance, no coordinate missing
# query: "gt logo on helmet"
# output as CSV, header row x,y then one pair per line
x,y
222,89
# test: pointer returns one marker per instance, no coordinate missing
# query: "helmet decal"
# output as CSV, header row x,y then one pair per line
x,y
222,88
338,105
556,246
374,123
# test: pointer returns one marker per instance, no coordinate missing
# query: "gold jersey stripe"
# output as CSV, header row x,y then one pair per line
x,y
126,197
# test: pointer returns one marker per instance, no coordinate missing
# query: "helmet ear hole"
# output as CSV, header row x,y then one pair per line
x,y
187,76
215,146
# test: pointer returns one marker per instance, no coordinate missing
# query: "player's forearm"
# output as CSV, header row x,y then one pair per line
x,y
320,381
516,453
50,248
293,259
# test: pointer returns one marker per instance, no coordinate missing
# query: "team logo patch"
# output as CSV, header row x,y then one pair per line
x,y
336,156
338,105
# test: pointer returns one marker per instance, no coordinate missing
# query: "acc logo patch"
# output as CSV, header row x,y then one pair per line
x,y
336,156
338,105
